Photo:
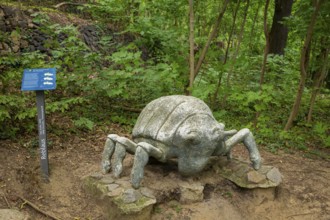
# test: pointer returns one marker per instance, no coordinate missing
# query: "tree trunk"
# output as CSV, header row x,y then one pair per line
x,y
215,95
191,45
322,72
279,32
211,37
303,74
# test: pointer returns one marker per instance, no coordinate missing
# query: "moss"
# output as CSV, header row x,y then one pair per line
x,y
137,206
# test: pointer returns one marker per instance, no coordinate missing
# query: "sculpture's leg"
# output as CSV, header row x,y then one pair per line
x,y
246,136
229,155
118,146
107,153
142,153
140,160
221,149
118,158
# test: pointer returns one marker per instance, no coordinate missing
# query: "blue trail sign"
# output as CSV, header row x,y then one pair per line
x,y
39,80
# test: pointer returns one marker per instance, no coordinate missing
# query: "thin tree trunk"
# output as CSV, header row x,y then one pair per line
x,y
266,32
239,40
211,37
215,95
231,31
318,82
303,73
264,62
191,44
253,25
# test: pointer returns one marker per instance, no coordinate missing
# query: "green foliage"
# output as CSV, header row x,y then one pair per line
x,y
83,80
321,131
84,123
147,57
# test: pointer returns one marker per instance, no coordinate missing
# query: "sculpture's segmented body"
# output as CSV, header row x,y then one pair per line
x,y
161,118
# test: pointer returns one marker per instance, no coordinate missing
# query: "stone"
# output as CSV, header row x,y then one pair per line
x,y
131,195
24,44
13,22
112,186
107,179
116,192
274,175
2,14
147,192
255,177
191,192
13,214
97,176
9,11
124,183
30,24
23,23
15,43
32,48
6,47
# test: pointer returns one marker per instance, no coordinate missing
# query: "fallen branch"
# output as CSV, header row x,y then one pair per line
x,y
5,198
35,207
300,214
68,3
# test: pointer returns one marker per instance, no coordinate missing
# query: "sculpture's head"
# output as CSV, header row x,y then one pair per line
x,y
196,139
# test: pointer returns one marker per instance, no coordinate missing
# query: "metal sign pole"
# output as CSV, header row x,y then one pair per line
x,y
39,80
42,133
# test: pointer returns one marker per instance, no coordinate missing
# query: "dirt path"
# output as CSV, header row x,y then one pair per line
x,y
304,193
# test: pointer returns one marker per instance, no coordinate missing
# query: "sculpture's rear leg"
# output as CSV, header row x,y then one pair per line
x,y
246,136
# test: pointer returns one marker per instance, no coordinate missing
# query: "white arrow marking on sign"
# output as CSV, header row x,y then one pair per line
x,y
48,83
48,78
48,74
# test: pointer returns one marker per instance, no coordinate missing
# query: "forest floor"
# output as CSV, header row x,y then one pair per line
x,y
303,194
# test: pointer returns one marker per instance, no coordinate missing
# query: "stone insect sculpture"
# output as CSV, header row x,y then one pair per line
x,y
177,126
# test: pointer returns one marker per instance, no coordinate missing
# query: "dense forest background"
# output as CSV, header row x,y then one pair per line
x,y
258,64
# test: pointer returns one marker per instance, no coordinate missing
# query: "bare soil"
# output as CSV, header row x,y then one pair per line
x,y
303,194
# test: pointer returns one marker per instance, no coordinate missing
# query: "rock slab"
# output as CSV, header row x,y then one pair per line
x,y
191,192
118,199
243,175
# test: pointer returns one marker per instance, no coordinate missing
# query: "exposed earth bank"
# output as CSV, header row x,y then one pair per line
x,y
303,194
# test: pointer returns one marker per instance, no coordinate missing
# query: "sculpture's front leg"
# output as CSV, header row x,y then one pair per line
x,y
246,136
108,150
116,146
142,153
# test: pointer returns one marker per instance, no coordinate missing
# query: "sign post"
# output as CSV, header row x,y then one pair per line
x,y
39,80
